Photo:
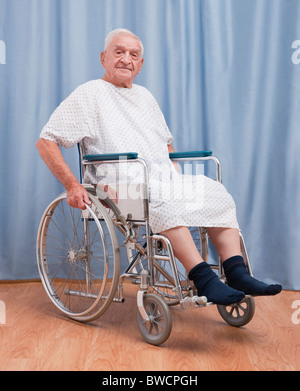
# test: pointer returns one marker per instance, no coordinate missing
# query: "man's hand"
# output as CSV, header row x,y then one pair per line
x,y
76,193
77,197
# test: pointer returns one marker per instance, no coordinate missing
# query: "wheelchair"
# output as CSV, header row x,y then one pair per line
x,y
79,256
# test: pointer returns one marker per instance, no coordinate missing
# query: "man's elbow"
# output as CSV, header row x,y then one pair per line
x,y
44,148
38,143
43,145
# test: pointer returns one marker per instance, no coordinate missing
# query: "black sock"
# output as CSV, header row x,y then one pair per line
x,y
209,285
239,278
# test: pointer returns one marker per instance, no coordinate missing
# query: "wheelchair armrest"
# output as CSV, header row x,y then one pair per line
x,y
198,155
111,156
189,154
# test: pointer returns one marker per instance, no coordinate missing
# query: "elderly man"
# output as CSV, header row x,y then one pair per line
x,y
115,115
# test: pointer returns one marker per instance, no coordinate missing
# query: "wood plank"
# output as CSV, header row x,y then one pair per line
x,y
37,336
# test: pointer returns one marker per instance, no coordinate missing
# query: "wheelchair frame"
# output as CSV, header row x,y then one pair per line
x,y
160,286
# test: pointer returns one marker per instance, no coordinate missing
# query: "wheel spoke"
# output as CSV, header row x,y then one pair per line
x,y
77,258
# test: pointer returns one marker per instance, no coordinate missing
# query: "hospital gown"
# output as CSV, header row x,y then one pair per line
x,y
109,119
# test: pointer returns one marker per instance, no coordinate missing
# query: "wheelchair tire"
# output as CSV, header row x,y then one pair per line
x,y
78,258
158,329
238,314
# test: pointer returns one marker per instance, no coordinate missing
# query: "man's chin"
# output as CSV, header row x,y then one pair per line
x,y
125,77
120,79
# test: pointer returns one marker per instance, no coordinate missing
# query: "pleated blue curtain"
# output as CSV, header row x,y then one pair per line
x,y
223,74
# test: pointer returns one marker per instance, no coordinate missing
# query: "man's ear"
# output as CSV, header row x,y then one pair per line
x,y
102,58
140,65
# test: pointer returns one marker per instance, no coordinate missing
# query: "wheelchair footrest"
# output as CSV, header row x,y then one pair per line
x,y
193,302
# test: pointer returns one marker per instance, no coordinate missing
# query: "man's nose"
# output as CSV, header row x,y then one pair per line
x,y
126,58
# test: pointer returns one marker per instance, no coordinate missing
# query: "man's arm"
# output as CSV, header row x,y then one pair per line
x,y
51,154
171,149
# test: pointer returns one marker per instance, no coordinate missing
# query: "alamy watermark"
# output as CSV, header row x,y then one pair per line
x,y
2,312
296,314
296,54
166,182
2,53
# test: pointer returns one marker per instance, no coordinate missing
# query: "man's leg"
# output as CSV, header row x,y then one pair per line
x,y
184,247
205,280
227,244
226,241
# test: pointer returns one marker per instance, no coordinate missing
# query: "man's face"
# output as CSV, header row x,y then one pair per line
x,y
122,60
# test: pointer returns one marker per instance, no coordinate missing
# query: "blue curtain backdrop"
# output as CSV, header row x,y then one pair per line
x,y
226,75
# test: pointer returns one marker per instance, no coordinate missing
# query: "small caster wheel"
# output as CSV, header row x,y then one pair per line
x,y
157,328
238,314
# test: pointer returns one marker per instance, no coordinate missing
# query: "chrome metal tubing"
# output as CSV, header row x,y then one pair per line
x,y
213,158
172,263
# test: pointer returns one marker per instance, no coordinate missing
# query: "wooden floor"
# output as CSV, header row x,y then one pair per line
x,y
37,337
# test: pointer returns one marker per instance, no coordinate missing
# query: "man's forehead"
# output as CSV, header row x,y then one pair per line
x,y
125,41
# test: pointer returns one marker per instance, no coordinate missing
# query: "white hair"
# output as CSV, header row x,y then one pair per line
x,y
120,31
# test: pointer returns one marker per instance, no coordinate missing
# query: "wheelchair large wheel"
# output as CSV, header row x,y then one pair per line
x,y
78,258
238,314
157,329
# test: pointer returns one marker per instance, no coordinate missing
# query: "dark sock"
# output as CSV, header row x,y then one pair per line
x,y
209,285
239,278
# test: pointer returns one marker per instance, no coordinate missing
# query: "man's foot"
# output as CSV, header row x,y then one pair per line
x,y
238,278
209,285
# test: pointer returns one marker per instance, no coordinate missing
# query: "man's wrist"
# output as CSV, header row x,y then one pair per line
x,y
73,187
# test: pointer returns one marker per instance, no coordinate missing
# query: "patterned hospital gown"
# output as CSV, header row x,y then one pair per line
x,y
109,119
